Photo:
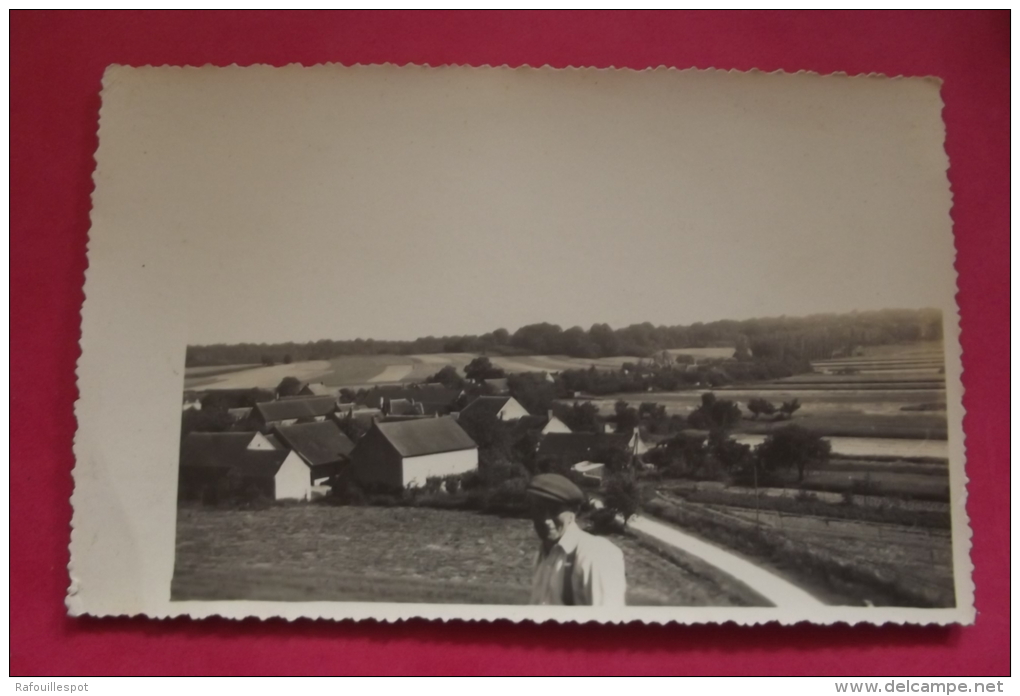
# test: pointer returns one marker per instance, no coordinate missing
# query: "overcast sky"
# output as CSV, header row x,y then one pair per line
x,y
397,203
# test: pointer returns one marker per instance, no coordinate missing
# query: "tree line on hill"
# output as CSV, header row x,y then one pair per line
x,y
777,338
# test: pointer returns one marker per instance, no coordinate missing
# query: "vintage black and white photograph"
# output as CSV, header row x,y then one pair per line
x,y
489,343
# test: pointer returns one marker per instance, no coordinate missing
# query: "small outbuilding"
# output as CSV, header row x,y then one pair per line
x,y
407,453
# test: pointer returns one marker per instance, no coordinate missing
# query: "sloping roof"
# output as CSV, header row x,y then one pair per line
x,y
422,393
413,438
528,423
230,451
286,409
404,407
486,406
317,443
362,416
580,446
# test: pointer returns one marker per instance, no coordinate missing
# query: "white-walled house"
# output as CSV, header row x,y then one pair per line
x,y
321,445
407,453
504,408
212,463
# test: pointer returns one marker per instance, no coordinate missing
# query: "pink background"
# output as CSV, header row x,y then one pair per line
x,y
57,60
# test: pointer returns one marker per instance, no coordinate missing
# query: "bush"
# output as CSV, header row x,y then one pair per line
x,y
508,498
792,447
346,492
452,484
471,481
605,521
384,500
715,414
494,469
621,494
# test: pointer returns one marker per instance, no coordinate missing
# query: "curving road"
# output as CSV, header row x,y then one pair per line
x,y
770,586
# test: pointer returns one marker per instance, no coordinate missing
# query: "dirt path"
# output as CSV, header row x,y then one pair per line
x,y
775,589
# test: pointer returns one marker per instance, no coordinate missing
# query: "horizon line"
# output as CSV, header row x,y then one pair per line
x,y
657,326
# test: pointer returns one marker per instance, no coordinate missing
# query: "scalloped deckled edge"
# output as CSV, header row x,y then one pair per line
x,y
545,67
78,602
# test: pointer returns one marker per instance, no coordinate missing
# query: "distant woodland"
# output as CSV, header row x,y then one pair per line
x,y
785,339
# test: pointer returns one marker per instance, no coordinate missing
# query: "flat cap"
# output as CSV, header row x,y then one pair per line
x,y
556,488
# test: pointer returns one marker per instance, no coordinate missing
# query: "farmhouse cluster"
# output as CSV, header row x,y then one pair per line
x,y
292,446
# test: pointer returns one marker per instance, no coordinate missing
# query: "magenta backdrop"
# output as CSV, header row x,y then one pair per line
x,y
57,60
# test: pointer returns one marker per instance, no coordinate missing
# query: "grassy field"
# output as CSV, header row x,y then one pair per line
x,y
363,369
366,370
846,561
842,413
718,352
215,370
258,377
914,557
924,485
323,553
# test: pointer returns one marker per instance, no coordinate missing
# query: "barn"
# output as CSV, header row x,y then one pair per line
x,y
322,446
217,465
407,453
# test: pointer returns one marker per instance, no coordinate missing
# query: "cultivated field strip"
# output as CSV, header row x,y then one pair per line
x,y
322,553
916,556
775,589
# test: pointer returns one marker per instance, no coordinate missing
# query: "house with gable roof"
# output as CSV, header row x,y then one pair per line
x,y
407,453
294,410
217,464
323,447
